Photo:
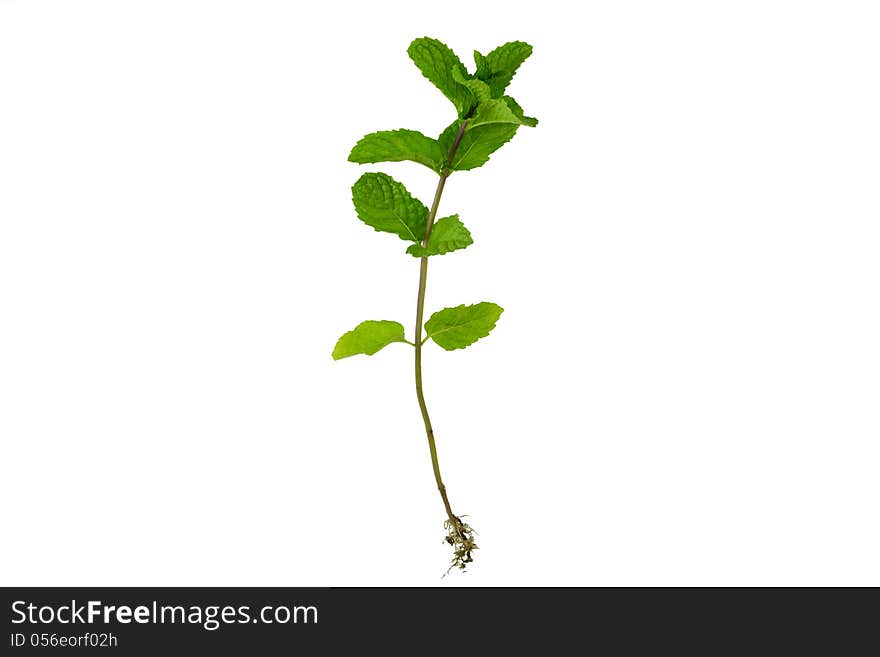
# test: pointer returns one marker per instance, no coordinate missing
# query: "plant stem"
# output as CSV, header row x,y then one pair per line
x,y
420,313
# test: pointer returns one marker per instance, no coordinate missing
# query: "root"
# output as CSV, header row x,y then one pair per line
x,y
460,536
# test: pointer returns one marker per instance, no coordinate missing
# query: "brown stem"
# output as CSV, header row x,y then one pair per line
x,y
420,313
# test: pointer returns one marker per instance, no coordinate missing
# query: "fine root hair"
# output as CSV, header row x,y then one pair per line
x,y
460,536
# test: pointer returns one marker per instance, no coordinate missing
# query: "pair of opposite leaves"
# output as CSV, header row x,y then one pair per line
x,y
385,204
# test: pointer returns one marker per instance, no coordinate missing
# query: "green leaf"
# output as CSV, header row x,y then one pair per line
x,y
493,110
368,338
484,71
384,204
397,146
477,144
459,327
448,234
478,88
500,65
436,61
518,111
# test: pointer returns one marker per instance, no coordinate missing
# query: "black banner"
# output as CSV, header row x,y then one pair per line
x,y
133,621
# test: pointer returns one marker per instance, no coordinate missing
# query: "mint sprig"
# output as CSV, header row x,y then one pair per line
x,y
486,119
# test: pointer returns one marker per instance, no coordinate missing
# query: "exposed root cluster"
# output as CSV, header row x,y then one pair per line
x,y
460,536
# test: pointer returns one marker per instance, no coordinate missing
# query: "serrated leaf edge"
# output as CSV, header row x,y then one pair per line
x,y
394,212
463,305
361,353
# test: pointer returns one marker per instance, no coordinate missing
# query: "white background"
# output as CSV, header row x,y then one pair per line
x,y
683,389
